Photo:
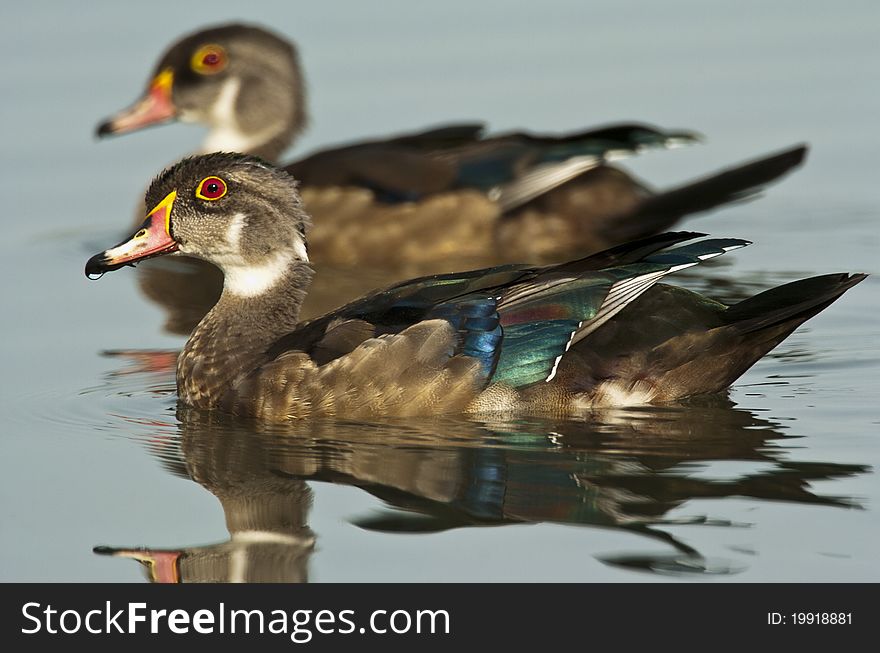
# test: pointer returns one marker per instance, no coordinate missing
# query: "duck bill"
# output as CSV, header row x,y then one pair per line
x,y
154,108
152,239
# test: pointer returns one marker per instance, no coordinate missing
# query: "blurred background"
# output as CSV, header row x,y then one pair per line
x,y
752,76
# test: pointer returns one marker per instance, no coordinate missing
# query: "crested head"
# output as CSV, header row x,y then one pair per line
x,y
244,82
236,211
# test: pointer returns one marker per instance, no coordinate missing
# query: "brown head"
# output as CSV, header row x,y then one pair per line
x,y
235,211
243,82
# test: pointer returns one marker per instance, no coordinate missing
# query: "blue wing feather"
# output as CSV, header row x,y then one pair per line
x,y
478,325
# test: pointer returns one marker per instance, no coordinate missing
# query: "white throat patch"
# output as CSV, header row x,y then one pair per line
x,y
245,280
241,277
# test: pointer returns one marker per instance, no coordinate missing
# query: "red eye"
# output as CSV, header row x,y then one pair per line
x,y
211,188
209,59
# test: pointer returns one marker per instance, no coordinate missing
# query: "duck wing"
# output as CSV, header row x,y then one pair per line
x,y
511,168
399,168
516,320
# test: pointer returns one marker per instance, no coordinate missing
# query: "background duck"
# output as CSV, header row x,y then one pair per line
x,y
562,339
417,199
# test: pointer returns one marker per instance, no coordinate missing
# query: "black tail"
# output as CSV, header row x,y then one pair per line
x,y
792,303
758,324
664,209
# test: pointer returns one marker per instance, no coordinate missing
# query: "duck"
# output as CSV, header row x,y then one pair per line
x,y
561,339
411,201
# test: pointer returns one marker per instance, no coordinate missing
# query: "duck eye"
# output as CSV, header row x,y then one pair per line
x,y
209,60
211,188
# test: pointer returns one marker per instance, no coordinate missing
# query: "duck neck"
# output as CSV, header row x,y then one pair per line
x,y
263,124
257,306
267,144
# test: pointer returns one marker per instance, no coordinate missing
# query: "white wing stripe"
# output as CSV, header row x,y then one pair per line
x,y
540,180
620,295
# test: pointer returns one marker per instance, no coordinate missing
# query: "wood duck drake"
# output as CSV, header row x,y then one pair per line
x,y
416,199
561,339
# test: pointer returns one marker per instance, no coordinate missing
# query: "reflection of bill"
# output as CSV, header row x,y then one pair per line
x,y
144,361
161,566
269,542
619,471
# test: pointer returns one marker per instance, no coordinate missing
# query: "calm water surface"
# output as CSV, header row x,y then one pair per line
x,y
774,481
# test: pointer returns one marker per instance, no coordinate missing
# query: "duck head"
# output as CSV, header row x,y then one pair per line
x,y
233,210
243,82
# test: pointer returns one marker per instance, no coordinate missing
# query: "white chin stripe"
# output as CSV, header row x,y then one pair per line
x,y
233,233
253,280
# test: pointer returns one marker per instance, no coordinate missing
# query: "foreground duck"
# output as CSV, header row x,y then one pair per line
x,y
414,199
598,331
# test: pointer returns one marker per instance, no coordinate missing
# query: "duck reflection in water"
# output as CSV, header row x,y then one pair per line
x,y
624,470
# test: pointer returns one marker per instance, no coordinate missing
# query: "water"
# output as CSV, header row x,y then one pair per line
x,y
775,481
